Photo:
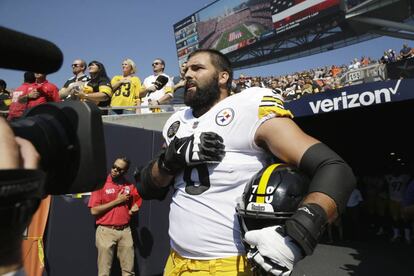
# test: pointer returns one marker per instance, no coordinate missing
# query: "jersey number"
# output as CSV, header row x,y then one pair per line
x,y
204,178
125,88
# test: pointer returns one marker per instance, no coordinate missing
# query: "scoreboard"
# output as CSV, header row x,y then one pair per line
x,y
229,25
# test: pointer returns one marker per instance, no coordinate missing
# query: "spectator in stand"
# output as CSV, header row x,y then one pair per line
x,y
21,95
243,83
126,89
335,71
113,206
289,92
257,82
355,64
316,87
152,95
75,83
5,98
364,61
392,56
405,52
179,85
275,85
98,89
337,84
44,92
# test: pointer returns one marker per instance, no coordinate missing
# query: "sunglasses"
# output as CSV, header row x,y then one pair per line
x,y
76,65
156,63
115,167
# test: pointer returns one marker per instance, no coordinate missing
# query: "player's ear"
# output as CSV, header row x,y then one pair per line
x,y
223,77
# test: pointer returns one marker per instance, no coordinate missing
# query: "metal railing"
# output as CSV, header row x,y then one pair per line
x,y
371,73
144,109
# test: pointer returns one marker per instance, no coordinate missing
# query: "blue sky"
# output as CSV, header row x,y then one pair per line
x,y
109,31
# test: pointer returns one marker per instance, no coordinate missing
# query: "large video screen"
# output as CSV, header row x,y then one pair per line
x,y
290,14
229,25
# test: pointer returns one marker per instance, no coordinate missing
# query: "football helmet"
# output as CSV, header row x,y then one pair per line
x,y
271,196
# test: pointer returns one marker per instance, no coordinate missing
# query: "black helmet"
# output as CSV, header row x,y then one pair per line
x,y
271,196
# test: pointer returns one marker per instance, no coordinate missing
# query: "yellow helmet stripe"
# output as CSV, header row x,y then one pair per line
x,y
264,180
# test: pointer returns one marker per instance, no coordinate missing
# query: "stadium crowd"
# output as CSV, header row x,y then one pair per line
x,y
127,90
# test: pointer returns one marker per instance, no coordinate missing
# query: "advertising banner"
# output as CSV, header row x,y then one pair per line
x,y
353,97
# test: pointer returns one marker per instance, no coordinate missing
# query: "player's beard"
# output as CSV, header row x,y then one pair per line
x,y
204,97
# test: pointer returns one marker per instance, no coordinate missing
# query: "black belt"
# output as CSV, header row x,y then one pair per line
x,y
116,227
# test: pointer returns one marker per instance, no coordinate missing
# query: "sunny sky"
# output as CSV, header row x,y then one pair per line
x,y
109,31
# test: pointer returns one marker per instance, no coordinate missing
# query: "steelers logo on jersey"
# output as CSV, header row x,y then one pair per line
x,y
172,130
224,117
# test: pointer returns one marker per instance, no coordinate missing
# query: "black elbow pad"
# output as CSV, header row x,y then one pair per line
x,y
146,186
330,174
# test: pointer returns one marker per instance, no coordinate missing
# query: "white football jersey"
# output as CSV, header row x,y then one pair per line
x,y
397,185
203,220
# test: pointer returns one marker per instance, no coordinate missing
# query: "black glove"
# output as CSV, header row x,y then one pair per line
x,y
205,147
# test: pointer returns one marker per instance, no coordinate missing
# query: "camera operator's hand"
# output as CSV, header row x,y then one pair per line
x,y
205,147
16,152
273,250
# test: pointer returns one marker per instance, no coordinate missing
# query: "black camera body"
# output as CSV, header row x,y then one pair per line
x,y
69,138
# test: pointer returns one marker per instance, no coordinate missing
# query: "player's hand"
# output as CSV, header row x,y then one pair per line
x,y
272,250
205,147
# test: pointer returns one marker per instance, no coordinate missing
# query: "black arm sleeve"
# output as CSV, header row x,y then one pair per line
x,y
146,186
330,174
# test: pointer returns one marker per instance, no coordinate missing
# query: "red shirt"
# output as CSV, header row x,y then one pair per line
x,y
48,93
118,215
17,107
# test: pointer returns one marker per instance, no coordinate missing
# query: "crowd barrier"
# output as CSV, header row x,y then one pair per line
x,y
371,73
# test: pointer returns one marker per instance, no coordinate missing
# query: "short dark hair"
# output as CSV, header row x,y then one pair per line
x,y
29,77
220,62
161,60
3,84
126,160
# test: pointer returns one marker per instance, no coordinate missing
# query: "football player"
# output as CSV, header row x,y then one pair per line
x,y
214,147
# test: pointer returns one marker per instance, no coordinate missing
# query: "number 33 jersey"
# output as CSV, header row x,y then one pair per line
x,y
203,222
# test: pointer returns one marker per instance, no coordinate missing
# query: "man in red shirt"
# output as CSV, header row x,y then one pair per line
x,y
112,207
45,92
21,95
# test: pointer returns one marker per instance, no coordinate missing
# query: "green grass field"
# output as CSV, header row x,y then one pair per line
x,y
224,39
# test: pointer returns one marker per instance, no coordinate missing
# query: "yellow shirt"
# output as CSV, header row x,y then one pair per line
x,y
127,93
